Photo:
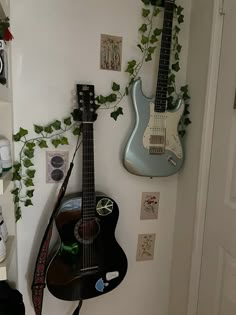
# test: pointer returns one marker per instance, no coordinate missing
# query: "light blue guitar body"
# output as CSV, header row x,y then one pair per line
x,y
154,148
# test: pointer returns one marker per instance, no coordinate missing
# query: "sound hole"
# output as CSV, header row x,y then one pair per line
x,y
86,231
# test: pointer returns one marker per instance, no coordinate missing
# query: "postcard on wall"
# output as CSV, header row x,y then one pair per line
x,y
110,52
145,247
149,205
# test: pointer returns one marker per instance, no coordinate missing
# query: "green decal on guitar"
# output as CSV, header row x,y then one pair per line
x,y
88,261
154,147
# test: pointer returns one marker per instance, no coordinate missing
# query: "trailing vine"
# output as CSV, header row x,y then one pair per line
x,y
55,132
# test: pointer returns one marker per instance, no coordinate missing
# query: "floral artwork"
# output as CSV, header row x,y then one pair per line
x,y
145,248
111,51
149,205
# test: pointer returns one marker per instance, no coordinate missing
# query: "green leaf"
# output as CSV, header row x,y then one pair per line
x,y
111,98
56,142
177,29
143,28
15,191
48,129
180,19
148,58
67,121
176,67
178,48
144,40
77,131
30,145
16,199
153,39
28,203
30,173
140,47
30,193
64,141
56,125
187,121
151,49
23,132
170,90
186,112
28,182
16,176
101,99
29,153
117,113
146,2
184,89
156,11
27,163
176,56
115,87
42,144
38,129
18,213
17,166
157,31
179,10
171,78
16,137
170,101
145,12
182,133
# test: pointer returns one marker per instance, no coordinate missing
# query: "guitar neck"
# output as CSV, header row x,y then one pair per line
x,y
88,181
164,63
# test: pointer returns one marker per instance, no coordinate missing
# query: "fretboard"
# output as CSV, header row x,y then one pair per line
x,y
164,63
88,185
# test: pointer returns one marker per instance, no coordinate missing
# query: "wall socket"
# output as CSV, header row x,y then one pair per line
x,y
145,247
56,166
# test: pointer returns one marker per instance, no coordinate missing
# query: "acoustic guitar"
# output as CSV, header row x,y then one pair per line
x,y
88,261
154,147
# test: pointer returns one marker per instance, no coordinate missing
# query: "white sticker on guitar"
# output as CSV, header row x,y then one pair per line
x,y
112,275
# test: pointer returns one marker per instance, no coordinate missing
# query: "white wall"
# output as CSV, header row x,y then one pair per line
x,y
56,45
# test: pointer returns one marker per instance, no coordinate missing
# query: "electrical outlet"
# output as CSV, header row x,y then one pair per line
x,y
145,247
149,205
56,166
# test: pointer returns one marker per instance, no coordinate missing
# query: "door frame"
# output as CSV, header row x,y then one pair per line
x,y
205,155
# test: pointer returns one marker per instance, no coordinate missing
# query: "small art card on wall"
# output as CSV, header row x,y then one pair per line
x,y
111,52
145,248
149,205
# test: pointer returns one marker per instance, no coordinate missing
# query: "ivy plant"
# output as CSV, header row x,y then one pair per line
x,y
55,132
24,170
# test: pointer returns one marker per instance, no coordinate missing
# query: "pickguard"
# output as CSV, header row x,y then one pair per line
x,y
161,133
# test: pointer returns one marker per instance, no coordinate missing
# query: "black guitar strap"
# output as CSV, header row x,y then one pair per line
x,y
76,312
39,282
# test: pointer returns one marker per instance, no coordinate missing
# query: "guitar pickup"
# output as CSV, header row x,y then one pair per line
x,y
156,150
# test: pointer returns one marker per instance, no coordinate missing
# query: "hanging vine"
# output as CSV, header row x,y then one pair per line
x,y
55,132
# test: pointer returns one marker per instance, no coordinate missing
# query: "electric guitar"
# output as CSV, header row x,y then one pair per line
x,y
88,261
154,147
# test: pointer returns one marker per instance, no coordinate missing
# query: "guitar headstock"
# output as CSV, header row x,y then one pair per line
x,y
86,103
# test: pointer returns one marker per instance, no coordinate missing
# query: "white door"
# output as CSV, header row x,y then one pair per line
x,y
217,293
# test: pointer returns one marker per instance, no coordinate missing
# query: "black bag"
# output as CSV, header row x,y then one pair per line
x,y
11,301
